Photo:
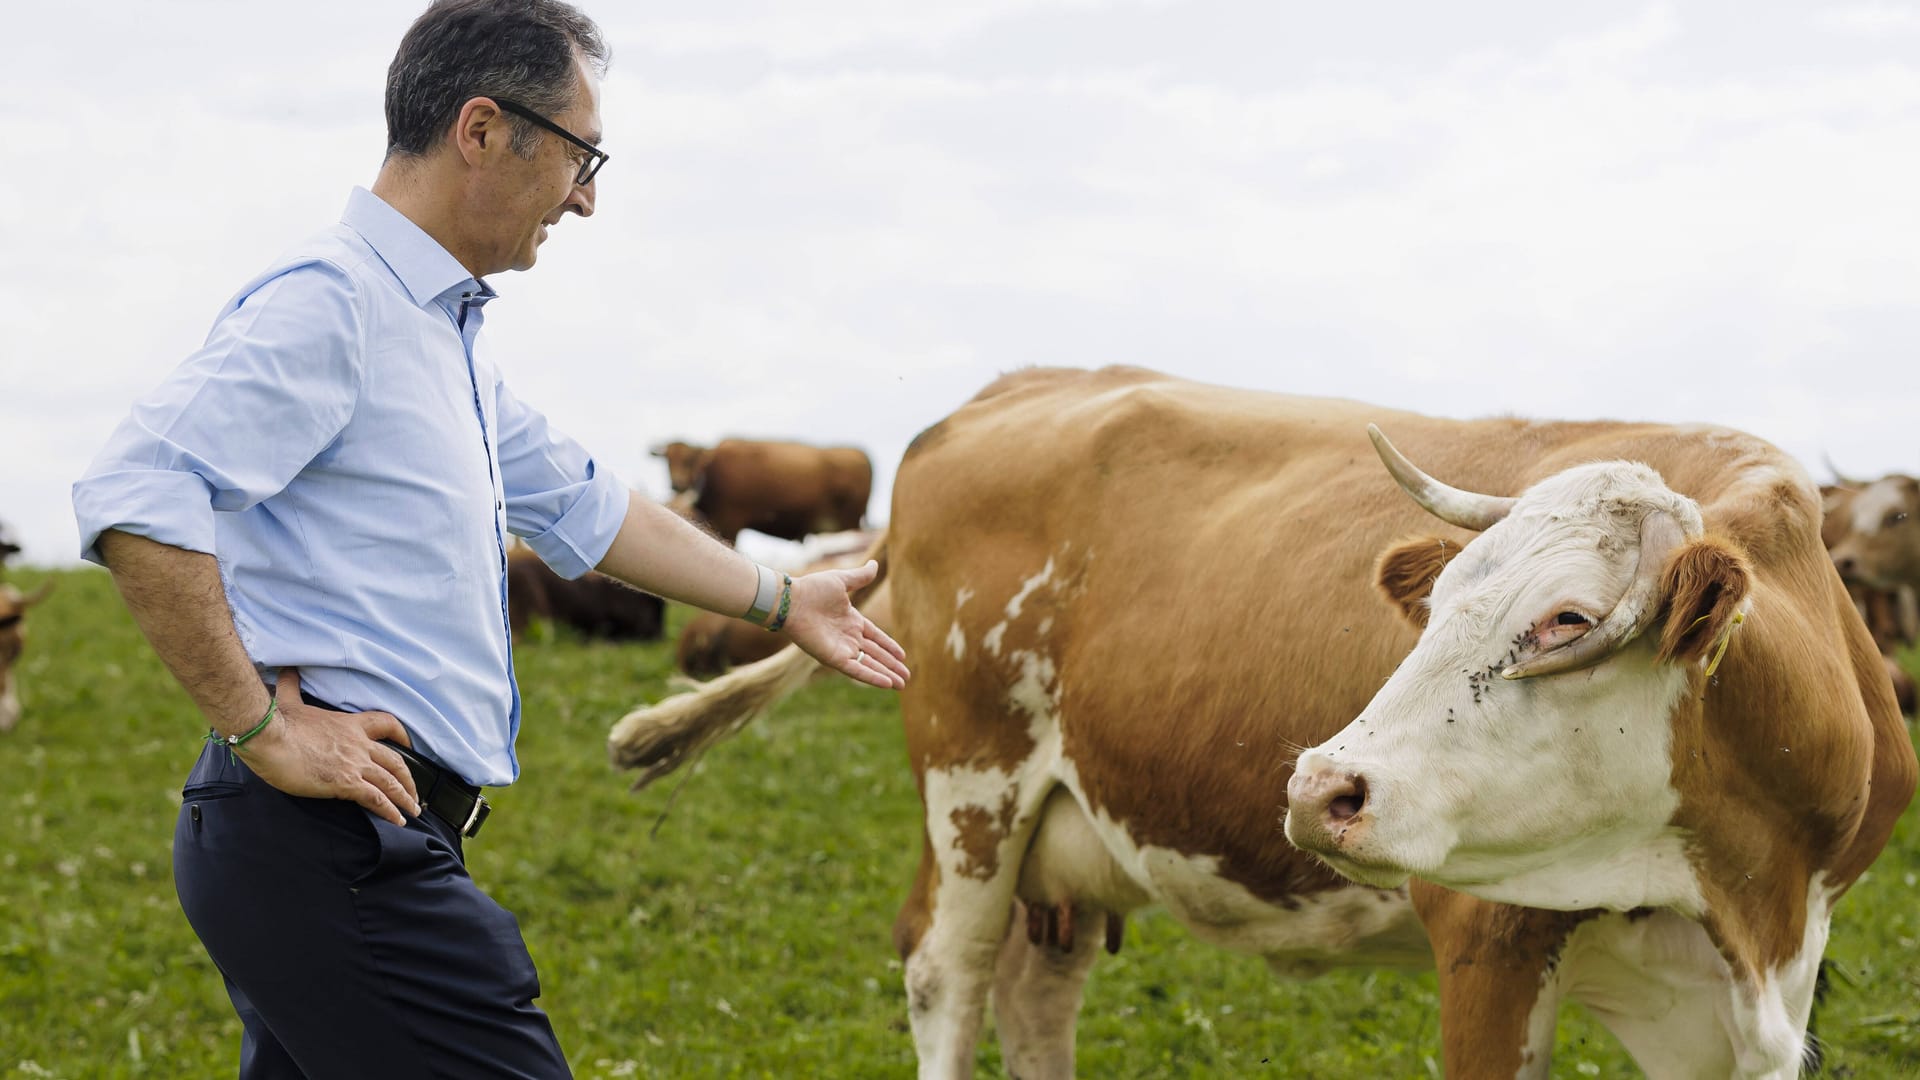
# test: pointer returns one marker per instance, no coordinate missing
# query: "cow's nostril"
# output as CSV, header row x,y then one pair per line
x,y
1342,807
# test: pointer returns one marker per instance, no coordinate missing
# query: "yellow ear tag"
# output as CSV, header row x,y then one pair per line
x,y
1738,618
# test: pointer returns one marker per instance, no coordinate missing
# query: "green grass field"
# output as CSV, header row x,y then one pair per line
x,y
748,938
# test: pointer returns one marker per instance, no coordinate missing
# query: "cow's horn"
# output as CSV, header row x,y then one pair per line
x,y
1660,534
1840,479
1467,509
39,594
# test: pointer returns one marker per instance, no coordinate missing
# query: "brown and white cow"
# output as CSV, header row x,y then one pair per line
x,y
1130,600
13,639
593,604
1667,837
1881,546
784,489
1892,612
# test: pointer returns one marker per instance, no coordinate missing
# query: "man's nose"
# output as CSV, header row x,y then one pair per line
x,y
580,199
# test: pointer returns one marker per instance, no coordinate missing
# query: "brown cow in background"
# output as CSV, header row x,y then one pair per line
x,y
1870,531
1880,546
593,604
13,638
784,489
711,643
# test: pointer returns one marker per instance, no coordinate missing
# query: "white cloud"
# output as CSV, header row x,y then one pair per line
x,y
844,239
1871,19
820,30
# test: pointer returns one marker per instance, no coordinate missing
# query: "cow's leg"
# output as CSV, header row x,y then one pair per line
x,y
951,930
1036,990
1768,1016
1656,981
1904,692
1498,1004
1659,983
9,702
1697,1011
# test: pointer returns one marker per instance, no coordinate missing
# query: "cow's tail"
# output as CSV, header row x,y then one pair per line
x,y
660,738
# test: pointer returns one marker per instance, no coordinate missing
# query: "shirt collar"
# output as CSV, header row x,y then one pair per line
x,y
427,270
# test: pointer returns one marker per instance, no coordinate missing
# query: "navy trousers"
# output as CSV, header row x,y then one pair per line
x,y
353,948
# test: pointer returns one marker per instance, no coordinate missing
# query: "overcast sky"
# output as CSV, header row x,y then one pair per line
x,y
836,220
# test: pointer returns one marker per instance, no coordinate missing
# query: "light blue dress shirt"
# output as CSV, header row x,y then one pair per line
x,y
355,463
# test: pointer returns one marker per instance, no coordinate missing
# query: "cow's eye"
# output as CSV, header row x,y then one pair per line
x,y
1893,519
1555,630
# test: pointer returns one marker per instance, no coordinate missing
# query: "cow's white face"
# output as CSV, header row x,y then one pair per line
x,y
1476,781
1881,545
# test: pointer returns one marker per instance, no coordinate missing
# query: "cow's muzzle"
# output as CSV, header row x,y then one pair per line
x,y
1326,806
1330,813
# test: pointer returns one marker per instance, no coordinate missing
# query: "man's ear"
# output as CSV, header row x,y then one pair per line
x,y
1406,571
1702,588
477,121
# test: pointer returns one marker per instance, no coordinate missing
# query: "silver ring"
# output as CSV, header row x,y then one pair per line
x,y
859,656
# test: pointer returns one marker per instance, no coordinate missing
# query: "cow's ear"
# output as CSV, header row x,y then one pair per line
x,y
1406,572
1703,588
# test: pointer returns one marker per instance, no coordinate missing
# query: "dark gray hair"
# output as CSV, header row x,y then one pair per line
x,y
458,50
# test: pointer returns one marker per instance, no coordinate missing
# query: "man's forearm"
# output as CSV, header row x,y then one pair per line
x,y
176,598
661,552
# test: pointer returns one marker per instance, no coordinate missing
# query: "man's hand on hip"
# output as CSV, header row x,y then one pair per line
x,y
322,754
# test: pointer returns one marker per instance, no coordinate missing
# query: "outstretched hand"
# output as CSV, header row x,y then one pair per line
x,y
322,754
823,621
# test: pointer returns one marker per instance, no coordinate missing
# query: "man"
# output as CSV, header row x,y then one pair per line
x,y
356,465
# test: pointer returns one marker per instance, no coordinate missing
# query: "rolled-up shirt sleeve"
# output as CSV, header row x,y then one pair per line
x,y
564,503
275,383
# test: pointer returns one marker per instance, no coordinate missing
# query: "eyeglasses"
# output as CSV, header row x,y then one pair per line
x,y
595,157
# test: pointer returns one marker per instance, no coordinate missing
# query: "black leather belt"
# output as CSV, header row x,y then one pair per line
x,y
451,799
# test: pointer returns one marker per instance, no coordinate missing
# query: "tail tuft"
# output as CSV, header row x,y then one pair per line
x,y
661,738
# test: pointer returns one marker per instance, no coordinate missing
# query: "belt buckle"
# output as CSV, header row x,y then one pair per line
x,y
476,817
